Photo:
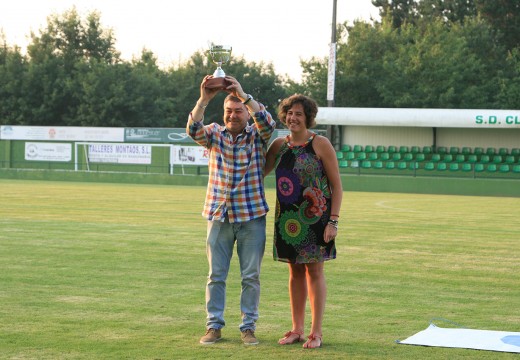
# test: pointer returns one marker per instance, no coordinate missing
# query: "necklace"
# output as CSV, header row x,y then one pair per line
x,y
293,145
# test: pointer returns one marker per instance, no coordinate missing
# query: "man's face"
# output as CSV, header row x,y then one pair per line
x,y
235,116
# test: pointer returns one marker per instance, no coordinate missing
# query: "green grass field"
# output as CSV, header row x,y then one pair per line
x,y
106,271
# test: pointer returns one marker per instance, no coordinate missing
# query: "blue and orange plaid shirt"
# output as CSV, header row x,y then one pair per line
x,y
236,168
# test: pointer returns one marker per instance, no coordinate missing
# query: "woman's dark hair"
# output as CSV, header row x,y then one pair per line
x,y
310,108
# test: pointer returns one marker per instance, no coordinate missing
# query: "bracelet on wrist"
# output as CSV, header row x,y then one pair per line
x,y
333,223
249,98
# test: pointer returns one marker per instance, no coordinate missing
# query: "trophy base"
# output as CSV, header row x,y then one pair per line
x,y
217,83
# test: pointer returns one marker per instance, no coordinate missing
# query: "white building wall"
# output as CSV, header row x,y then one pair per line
x,y
387,135
497,138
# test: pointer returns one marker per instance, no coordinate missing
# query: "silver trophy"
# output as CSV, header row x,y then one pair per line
x,y
220,54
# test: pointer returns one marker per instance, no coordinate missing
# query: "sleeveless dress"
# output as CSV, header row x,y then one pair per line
x,y
303,200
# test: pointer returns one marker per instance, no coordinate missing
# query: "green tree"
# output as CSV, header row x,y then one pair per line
x,y
509,95
124,94
449,11
504,16
13,66
438,68
57,55
427,65
397,12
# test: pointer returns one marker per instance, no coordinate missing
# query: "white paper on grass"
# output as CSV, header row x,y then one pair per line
x,y
466,338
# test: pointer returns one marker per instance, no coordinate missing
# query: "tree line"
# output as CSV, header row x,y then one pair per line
x,y
423,54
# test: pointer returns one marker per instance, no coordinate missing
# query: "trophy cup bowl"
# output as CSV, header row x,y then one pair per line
x,y
220,54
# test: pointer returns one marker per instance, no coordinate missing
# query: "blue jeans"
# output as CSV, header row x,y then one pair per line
x,y
250,239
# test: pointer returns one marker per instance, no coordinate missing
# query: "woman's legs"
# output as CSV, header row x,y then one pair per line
x,y
317,296
298,298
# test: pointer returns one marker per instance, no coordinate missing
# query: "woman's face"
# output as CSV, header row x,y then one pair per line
x,y
295,118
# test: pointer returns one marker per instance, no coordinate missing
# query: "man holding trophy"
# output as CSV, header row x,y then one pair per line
x,y
235,204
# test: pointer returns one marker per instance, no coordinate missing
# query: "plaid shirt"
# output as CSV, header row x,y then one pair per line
x,y
236,168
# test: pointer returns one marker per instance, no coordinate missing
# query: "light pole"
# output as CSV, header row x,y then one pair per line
x,y
331,77
332,131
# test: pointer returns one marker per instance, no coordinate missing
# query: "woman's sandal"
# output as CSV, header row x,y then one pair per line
x,y
312,338
290,338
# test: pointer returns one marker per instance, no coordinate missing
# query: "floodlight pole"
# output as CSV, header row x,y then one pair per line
x,y
332,131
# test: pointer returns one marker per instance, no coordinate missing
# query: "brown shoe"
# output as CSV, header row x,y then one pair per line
x,y
211,337
314,342
248,337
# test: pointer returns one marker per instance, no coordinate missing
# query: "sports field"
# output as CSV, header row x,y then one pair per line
x,y
108,271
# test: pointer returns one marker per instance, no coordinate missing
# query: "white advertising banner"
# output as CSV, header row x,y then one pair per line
x,y
37,151
189,155
443,118
331,75
120,153
61,133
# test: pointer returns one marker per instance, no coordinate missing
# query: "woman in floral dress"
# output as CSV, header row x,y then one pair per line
x,y
308,201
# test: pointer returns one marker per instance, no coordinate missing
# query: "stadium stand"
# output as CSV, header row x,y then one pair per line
x,y
453,160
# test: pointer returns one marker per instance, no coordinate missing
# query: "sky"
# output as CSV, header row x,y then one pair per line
x,y
281,32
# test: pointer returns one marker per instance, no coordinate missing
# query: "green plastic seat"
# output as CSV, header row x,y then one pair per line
x,y
427,150
510,159
447,158
346,147
466,150
361,156
357,148
401,165
339,155
460,158
436,157
497,159
491,168
472,158
369,148
429,166
366,164
484,159
372,156
392,149
384,156
503,151
491,151
441,166
454,166
380,149
516,168
404,149
515,151
343,163
467,167
390,165
442,150
413,165
420,157
351,155
504,168
378,164
407,156
415,150
478,151
454,150
396,156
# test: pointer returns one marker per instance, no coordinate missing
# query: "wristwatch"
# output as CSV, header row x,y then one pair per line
x,y
249,98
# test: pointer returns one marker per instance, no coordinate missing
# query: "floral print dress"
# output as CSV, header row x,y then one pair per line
x,y
302,206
